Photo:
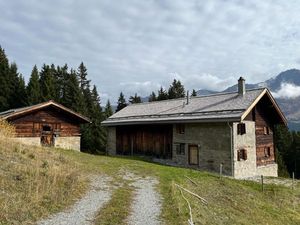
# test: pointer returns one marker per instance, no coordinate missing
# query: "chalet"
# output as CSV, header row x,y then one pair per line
x,y
47,124
234,130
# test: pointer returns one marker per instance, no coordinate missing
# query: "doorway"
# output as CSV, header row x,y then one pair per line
x,y
47,138
193,155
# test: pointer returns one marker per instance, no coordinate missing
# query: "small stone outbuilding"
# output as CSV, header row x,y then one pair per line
x,y
48,124
235,130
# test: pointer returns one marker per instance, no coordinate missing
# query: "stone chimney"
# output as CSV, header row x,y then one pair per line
x,y
187,97
241,86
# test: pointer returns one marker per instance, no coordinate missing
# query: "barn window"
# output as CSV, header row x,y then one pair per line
x,y
180,128
242,154
266,130
267,152
241,128
180,149
46,128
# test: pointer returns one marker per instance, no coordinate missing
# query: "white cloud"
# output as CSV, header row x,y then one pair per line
x,y
287,91
209,43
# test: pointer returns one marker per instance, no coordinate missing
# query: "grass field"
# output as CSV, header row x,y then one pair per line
x,y
229,201
35,182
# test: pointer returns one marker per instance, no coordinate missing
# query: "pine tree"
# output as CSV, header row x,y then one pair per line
x,y
162,94
283,140
33,89
121,102
135,99
176,90
61,75
194,93
152,97
82,76
71,94
17,96
47,83
4,81
108,111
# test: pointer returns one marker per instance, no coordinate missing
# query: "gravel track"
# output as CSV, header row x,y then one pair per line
x,y
146,205
84,210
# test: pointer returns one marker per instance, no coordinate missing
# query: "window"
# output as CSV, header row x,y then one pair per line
x,y
180,149
241,128
242,154
180,128
266,130
267,152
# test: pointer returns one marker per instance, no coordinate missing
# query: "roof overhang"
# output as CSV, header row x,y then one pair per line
x,y
168,121
263,93
26,110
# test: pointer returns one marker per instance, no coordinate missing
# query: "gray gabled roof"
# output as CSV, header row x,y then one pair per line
x,y
211,108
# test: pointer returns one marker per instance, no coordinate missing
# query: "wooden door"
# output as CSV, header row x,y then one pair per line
x,y
193,155
47,138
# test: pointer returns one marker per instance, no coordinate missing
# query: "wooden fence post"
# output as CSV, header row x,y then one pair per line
x,y
262,183
221,170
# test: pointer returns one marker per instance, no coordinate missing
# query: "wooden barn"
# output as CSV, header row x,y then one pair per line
x,y
48,124
234,130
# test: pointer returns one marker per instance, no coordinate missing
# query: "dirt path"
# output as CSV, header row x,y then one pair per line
x,y
84,210
146,205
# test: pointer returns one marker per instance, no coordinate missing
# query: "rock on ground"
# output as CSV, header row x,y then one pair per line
x,y
84,210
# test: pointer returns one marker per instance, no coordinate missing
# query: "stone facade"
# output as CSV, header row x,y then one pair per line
x,y
270,170
35,141
68,143
111,141
214,146
247,141
218,143
60,142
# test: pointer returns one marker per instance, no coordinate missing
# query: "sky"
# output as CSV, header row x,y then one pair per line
x,y
136,46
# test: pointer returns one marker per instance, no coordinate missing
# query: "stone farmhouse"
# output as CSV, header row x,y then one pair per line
x,y
47,124
234,130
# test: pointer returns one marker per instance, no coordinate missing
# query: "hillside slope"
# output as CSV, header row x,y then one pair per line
x,y
34,181
38,181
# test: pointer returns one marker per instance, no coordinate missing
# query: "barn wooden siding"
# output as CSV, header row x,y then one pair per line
x,y
61,124
264,116
152,140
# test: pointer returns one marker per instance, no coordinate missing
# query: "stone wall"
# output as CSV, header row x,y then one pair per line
x,y
214,144
60,142
245,168
270,170
68,143
36,141
111,141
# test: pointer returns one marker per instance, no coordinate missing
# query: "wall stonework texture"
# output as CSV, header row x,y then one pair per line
x,y
218,143
111,147
35,141
60,142
214,146
244,168
68,143
270,170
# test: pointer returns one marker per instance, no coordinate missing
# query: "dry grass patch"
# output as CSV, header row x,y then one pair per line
x,y
34,181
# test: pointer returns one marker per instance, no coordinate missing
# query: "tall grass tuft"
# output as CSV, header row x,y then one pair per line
x,y
34,181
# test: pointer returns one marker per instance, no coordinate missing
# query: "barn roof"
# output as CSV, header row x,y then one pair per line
x,y
220,107
25,110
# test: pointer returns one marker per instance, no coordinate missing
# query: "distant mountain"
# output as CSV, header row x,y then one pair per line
x,y
290,76
235,87
289,106
205,92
